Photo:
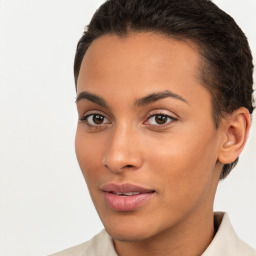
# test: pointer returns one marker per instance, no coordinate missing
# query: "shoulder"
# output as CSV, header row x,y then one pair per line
x,y
101,242
226,242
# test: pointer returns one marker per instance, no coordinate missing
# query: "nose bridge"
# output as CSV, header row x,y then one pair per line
x,y
122,152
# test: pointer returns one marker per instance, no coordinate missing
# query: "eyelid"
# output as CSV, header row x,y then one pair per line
x,y
162,112
168,116
85,116
159,112
94,112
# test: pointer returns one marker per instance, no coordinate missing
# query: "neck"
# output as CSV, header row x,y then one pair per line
x,y
190,238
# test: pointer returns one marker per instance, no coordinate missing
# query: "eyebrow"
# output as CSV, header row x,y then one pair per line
x,y
158,96
93,98
153,97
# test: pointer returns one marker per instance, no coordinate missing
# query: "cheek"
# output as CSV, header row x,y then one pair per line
x,y
88,152
183,166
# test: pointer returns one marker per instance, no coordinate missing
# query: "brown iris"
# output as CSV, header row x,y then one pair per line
x,y
160,119
98,119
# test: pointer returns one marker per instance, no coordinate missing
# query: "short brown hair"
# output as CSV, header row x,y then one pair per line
x,y
228,68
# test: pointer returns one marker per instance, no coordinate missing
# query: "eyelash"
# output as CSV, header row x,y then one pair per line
x,y
172,119
84,119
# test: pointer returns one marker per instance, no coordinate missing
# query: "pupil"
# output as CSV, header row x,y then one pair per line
x,y
98,119
161,119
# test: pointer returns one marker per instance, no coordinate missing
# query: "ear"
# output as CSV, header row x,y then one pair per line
x,y
235,130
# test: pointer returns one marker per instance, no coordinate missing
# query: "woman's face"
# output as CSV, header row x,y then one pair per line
x,y
146,141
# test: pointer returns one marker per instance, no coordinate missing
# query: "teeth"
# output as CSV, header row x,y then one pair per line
x,y
127,194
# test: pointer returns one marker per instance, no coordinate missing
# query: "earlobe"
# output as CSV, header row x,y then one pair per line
x,y
235,130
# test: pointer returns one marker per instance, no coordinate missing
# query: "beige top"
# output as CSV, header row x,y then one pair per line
x,y
225,243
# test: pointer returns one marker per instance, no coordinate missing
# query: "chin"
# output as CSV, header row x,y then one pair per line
x,y
128,235
128,228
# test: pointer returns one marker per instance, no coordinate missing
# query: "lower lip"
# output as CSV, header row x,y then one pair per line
x,y
126,203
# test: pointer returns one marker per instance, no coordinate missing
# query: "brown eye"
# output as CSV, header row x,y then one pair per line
x,y
98,119
160,119
94,119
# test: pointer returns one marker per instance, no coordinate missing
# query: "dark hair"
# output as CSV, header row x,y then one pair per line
x,y
227,67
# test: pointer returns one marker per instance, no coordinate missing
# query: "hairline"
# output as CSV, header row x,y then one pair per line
x,y
204,67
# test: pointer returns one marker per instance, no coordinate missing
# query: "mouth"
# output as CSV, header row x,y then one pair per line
x,y
125,194
126,197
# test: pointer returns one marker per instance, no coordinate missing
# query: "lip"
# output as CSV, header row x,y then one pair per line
x,y
124,188
118,202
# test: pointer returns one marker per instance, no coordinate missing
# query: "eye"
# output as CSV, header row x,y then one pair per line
x,y
94,119
160,119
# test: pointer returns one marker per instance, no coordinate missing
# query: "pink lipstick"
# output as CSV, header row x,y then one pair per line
x,y
125,197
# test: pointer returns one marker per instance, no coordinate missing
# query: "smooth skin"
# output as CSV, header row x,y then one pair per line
x,y
168,144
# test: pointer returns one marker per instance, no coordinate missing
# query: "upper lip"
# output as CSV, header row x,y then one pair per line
x,y
124,188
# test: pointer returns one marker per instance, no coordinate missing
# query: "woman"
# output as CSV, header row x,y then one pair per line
x,y
164,97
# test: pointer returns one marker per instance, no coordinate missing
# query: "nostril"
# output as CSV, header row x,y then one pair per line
x,y
117,163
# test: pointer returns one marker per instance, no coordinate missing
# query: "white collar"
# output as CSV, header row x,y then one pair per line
x,y
226,242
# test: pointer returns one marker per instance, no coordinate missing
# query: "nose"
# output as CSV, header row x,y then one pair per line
x,y
123,151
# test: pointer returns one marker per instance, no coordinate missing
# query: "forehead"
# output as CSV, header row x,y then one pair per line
x,y
140,63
